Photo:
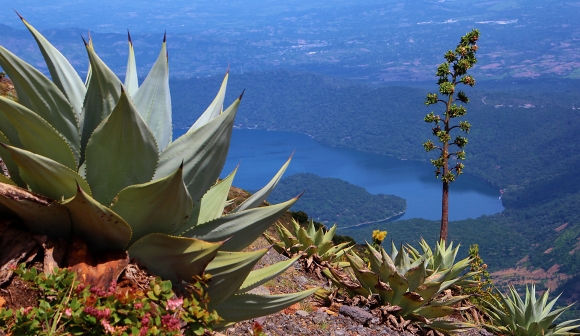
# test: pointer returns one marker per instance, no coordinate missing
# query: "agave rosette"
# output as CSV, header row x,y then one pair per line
x,y
399,280
531,316
314,245
96,159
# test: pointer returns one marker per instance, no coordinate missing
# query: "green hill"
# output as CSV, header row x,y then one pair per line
x,y
332,200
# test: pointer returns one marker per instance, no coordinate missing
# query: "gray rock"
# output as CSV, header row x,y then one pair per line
x,y
357,314
302,313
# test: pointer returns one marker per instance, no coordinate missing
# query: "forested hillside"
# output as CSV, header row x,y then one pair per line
x,y
524,140
332,200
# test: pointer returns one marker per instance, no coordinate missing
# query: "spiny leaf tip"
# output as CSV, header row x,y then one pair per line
x,y
129,37
240,98
20,16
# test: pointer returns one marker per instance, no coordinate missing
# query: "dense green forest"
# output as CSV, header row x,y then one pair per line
x,y
332,200
523,140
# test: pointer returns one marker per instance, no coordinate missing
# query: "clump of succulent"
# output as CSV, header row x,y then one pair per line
x,y
443,258
404,285
510,315
67,307
314,246
98,162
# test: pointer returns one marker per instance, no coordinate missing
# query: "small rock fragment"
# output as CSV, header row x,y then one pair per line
x,y
356,314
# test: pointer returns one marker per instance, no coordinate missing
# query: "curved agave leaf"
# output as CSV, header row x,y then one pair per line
x,y
215,108
89,70
9,162
42,96
258,197
131,81
4,179
247,306
260,276
101,228
212,204
124,145
241,228
203,151
103,93
160,206
153,100
39,214
45,176
228,271
61,71
174,258
35,134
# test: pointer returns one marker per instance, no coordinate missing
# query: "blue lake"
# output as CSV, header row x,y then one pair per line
x,y
261,153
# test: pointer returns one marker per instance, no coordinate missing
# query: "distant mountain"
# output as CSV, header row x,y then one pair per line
x,y
372,41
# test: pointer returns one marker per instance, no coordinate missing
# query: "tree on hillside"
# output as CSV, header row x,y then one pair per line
x,y
451,73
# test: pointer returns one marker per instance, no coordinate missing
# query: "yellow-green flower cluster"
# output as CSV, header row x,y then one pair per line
x,y
379,236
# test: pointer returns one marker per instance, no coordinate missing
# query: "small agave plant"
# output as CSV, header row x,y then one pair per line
x,y
96,160
398,280
311,244
529,317
443,259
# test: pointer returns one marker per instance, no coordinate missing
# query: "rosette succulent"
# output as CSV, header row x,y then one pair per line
x,y
405,283
528,317
95,159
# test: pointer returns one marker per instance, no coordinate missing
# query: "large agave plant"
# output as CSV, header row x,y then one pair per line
x,y
529,317
313,245
398,280
97,161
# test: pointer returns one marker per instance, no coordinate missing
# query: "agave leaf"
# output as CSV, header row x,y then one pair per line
x,y
214,109
258,197
262,275
310,229
35,134
160,206
243,227
153,100
212,204
318,235
46,176
61,71
428,290
336,249
131,81
324,247
367,278
203,152
430,312
416,276
448,302
399,285
9,162
103,93
286,236
228,271
410,301
43,97
174,258
89,70
122,144
342,280
39,214
329,234
447,326
242,307
304,238
101,228
4,179
278,246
